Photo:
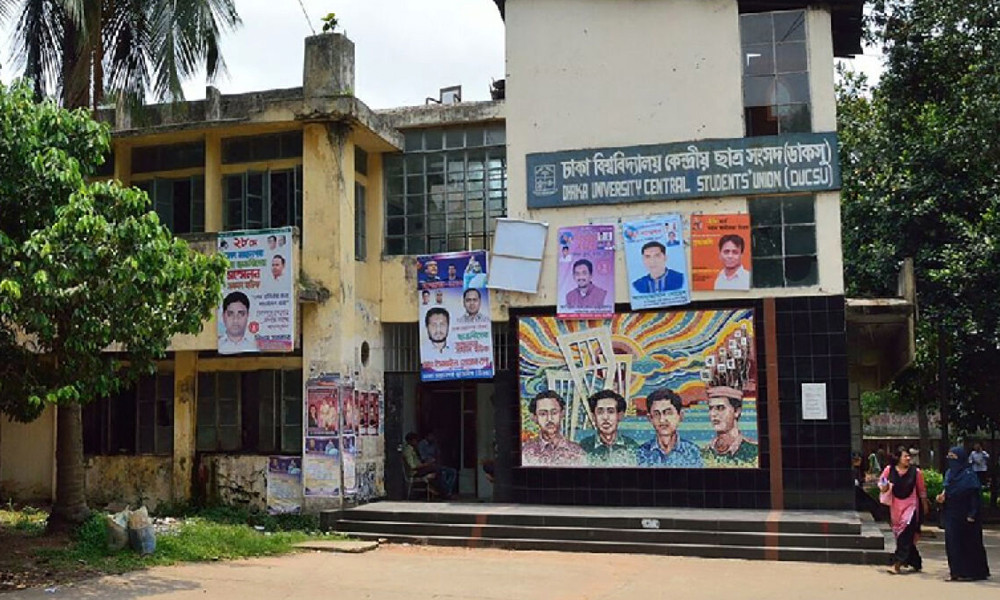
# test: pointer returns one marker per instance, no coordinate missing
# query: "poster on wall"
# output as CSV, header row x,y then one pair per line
x,y
257,313
720,252
323,406
284,484
656,262
586,272
349,456
651,389
456,335
321,460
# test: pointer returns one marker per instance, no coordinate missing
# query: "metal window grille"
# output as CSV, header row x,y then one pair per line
x,y
775,54
783,241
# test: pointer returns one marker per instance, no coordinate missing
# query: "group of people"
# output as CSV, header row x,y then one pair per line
x,y
903,489
422,458
610,447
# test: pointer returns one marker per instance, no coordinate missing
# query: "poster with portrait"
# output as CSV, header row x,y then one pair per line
x,y
456,335
720,252
656,262
321,454
349,457
257,313
284,484
586,272
650,389
322,408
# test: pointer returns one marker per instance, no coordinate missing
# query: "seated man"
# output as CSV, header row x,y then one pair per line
x,y
416,468
430,453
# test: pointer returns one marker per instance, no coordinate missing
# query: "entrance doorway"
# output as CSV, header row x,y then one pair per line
x,y
449,410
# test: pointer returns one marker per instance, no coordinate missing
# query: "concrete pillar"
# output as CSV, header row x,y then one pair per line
x,y
328,66
185,422
123,161
214,204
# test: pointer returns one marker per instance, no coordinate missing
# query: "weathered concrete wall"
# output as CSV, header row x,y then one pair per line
x,y
134,480
27,458
234,480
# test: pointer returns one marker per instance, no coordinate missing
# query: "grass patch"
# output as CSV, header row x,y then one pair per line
x,y
196,539
26,520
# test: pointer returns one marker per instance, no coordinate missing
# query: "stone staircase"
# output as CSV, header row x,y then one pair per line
x,y
815,536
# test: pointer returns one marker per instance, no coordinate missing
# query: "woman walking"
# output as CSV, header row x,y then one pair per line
x,y
905,483
962,520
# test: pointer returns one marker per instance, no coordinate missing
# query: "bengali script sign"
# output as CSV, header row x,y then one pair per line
x,y
800,162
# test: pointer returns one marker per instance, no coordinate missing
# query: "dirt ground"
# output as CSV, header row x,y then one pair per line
x,y
20,568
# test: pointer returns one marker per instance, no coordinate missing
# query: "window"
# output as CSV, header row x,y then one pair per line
x,y
446,190
360,161
254,148
107,168
775,73
263,199
783,234
148,159
360,237
137,420
251,411
180,203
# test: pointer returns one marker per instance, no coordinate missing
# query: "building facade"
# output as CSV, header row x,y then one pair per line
x,y
369,192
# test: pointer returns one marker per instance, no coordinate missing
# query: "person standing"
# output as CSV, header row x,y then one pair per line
x,y
962,520
980,461
908,494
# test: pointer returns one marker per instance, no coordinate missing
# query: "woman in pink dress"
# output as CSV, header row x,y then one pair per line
x,y
909,503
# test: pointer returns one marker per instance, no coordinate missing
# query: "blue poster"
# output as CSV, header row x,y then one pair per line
x,y
656,262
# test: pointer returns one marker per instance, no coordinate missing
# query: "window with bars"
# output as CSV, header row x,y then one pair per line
x,y
170,157
360,216
263,199
445,192
250,411
255,148
137,420
783,234
402,347
180,203
775,55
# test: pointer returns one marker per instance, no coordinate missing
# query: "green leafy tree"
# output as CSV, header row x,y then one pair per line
x,y
83,47
84,268
919,153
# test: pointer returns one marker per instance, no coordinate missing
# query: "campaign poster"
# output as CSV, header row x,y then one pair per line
x,y
656,262
257,313
323,408
586,272
650,389
720,252
349,456
321,467
456,335
284,484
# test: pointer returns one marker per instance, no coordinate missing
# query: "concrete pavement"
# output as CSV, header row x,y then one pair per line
x,y
416,572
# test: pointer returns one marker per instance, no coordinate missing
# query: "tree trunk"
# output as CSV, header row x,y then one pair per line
x,y
71,496
925,433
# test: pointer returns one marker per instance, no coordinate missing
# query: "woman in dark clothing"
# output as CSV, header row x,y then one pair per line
x,y
908,494
962,520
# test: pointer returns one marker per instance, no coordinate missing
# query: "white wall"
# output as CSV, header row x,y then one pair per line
x,y
598,73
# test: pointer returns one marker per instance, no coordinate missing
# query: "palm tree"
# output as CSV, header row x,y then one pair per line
x,y
80,48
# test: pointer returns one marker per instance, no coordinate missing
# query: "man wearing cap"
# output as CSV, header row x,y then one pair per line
x,y
729,447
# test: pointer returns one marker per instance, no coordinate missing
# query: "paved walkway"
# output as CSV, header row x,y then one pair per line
x,y
413,572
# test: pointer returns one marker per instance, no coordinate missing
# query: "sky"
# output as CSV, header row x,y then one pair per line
x,y
405,50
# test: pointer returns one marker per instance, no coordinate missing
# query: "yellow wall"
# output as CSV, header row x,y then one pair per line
x,y
27,458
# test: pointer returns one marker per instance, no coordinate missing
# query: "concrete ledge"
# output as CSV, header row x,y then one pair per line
x,y
346,546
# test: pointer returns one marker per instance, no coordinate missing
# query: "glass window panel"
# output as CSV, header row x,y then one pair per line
x,y
496,136
415,184
229,438
255,212
164,440
435,164
435,183
234,186
395,246
229,412
360,160
766,241
147,440
790,58
436,224
291,413
393,165
433,139
413,140
234,214
760,120
281,198
456,226
415,205
758,90
767,272
475,205
756,28
414,164
456,167
198,205
792,88
229,385
292,388
437,244
765,211
416,244
395,226
478,242
801,270
800,239
291,439
416,225
454,138
474,137
394,206
207,441
798,209
456,243
435,205
794,118
758,59
394,186
789,25
497,207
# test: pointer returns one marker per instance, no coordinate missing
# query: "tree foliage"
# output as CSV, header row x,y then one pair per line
x,y
84,267
919,154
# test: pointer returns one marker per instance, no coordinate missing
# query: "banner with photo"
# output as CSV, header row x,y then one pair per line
x,y
456,335
257,313
321,460
720,252
586,272
651,389
284,484
656,262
